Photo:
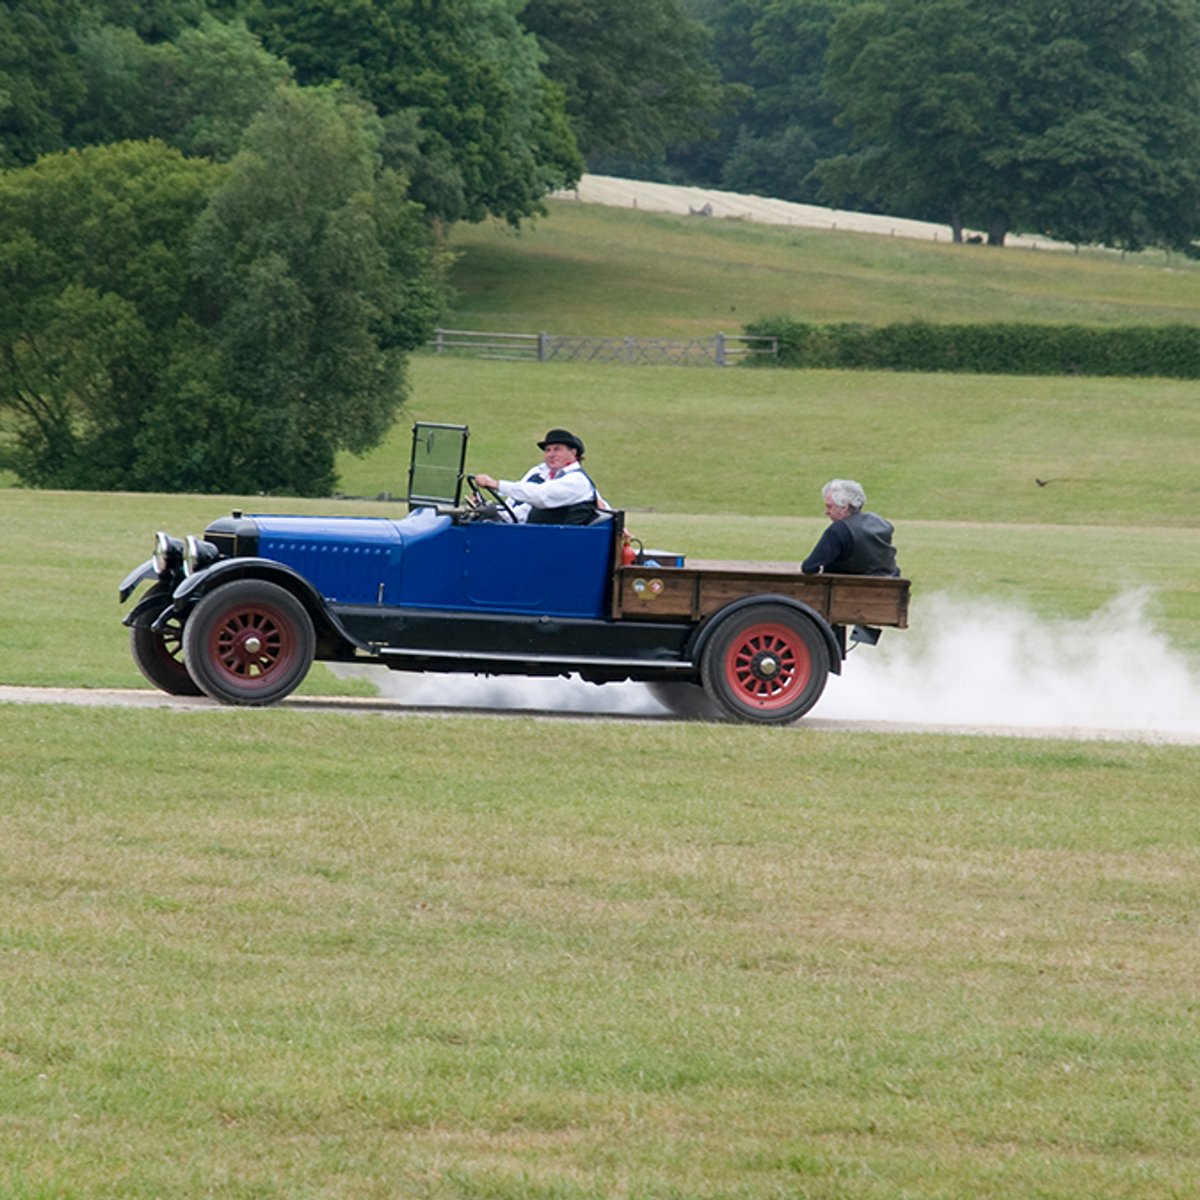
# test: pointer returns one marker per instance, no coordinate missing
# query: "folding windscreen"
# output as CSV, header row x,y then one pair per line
x,y
435,471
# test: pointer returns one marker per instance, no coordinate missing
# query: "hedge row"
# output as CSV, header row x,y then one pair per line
x,y
1002,349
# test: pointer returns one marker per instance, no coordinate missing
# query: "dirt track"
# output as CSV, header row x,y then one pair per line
x,y
146,698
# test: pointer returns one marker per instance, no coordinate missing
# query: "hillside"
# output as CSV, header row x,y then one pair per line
x,y
598,269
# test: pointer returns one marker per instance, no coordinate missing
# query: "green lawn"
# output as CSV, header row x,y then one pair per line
x,y
762,442
266,953
292,955
587,269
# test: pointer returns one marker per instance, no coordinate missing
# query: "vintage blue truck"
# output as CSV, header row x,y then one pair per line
x,y
241,613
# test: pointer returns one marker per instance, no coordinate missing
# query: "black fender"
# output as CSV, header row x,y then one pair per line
x,y
705,631
195,587
149,608
136,576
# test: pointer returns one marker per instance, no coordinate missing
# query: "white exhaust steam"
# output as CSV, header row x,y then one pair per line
x,y
964,663
973,662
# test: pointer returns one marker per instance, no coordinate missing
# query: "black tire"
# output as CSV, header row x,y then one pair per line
x,y
687,701
767,663
249,642
159,654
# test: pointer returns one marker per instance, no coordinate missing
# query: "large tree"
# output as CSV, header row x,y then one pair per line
x,y
468,113
173,324
636,72
1078,118
318,275
94,313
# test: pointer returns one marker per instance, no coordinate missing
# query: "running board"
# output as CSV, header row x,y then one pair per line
x,y
574,661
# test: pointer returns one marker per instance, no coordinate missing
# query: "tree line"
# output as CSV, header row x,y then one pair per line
x,y
222,222
1078,119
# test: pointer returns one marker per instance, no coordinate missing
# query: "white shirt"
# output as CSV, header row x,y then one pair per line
x,y
536,489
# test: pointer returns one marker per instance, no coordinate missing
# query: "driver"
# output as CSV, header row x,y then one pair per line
x,y
556,491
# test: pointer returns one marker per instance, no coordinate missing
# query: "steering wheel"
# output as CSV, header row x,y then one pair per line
x,y
488,509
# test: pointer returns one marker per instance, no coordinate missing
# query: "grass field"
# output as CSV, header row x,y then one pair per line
x,y
740,459
291,955
270,954
586,269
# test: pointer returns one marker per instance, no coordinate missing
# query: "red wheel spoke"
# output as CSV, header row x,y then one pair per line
x,y
767,666
250,643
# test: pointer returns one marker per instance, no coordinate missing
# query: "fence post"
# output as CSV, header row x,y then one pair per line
x,y
720,346
439,341
543,339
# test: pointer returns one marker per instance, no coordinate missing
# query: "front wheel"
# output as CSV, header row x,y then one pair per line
x,y
249,642
159,653
767,663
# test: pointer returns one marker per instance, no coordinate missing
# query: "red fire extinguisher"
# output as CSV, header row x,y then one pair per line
x,y
628,554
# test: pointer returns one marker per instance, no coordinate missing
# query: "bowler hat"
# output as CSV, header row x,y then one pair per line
x,y
562,437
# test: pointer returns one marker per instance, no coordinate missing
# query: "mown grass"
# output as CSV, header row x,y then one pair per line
x,y
286,954
723,464
587,269
271,953
762,442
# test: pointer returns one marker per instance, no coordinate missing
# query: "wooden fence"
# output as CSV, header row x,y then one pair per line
x,y
722,349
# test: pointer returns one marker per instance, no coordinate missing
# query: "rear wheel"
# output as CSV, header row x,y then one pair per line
x,y
766,663
158,653
249,642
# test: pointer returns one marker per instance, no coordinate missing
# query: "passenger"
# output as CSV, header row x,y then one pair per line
x,y
856,542
557,491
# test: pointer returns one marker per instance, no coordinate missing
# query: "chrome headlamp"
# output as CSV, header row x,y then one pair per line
x,y
198,554
168,554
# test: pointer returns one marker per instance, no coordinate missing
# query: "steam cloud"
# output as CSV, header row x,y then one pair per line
x,y
965,662
971,662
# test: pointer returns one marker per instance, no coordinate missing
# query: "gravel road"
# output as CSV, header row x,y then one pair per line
x,y
383,706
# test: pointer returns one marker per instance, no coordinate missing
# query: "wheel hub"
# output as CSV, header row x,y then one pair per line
x,y
249,644
765,665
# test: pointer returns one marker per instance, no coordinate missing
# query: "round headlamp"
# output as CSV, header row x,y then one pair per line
x,y
168,553
198,554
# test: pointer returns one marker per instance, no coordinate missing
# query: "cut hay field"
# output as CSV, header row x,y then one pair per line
x,y
293,955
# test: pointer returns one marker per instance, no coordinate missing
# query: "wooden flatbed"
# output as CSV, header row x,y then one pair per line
x,y
701,587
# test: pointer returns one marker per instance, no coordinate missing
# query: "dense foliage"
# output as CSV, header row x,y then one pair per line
x,y
469,115
96,314
170,323
219,219
1005,348
166,324
635,72
780,122
316,276
1079,119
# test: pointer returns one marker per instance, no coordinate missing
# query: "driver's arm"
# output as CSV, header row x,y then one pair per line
x,y
571,487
